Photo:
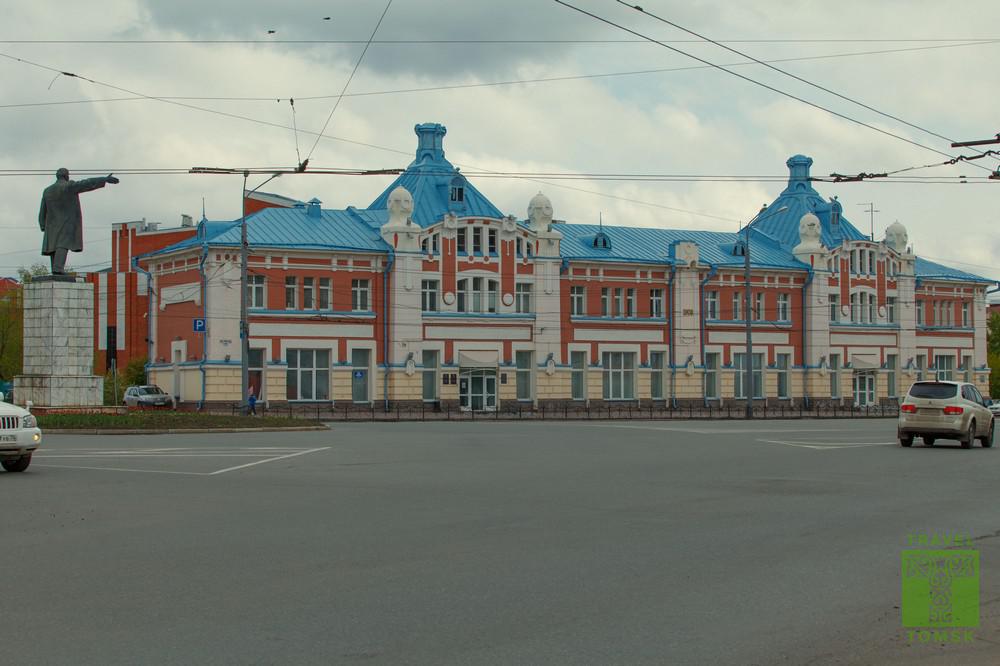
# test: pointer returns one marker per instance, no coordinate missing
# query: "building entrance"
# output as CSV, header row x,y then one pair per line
x,y
864,389
477,390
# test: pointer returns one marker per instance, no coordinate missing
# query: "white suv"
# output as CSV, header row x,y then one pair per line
x,y
945,410
19,437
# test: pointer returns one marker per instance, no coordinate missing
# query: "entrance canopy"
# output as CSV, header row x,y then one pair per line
x,y
865,362
486,358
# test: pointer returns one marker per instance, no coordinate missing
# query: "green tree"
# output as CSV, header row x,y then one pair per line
x,y
993,334
11,334
34,270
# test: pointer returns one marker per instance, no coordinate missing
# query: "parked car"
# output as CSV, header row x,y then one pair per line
x,y
146,396
19,437
993,406
944,410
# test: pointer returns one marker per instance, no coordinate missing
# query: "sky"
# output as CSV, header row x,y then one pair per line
x,y
524,87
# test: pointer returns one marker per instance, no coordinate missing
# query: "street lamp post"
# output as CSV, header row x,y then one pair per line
x,y
244,327
748,309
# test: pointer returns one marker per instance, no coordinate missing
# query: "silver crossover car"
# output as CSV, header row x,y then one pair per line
x,y
146,396
945,410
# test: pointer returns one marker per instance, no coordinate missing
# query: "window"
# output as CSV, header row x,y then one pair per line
x,y
477,295
619,375
854,261
758,307
616,310
360,369
429,295
966,321
712,375
291,293
656,374
523,360
308,374
855,314
737,300
784,311
871,309
834,307
308,293
460,240
921,364
522,297
891,363
834,375
324,293
630,302
477,240
430,374
578,374
945,367
255,292
578,300
656,303
712,305
360,296
457,192
967,368
430,244
520,246
757,376
491,241
890,309
920,313
782,362
605,302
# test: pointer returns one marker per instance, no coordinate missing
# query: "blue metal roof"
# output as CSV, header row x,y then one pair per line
x,y
650,245
429,179
800,198
929,270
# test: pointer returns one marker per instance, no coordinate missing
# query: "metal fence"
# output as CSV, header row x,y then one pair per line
x,y
324,412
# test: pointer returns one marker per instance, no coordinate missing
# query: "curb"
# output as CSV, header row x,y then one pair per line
x,y
171,431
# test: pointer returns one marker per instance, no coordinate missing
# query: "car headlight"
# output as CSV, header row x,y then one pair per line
x,y
29,421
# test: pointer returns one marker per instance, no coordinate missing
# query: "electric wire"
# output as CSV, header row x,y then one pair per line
x,y
754,81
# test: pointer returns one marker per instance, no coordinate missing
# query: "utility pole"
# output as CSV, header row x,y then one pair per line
x,y
871,211
748,309
244,326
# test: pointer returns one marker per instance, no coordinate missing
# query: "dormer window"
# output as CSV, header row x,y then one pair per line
x,y
457,191
601,241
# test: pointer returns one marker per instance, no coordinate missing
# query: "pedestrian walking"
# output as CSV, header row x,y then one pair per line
x,y
252,404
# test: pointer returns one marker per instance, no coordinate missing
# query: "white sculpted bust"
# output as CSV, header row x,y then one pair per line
x,y
896,237
400,207
809,234
540,212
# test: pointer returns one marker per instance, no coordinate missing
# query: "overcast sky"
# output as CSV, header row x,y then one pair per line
x,y
930,64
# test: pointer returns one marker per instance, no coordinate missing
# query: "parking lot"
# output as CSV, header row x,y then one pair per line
x,y
487,543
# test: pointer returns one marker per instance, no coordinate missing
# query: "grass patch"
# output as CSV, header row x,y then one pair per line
x,y
157,420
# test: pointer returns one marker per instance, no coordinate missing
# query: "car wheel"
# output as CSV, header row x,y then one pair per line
x,y
987,441
928,441
17,464
970,436
906,440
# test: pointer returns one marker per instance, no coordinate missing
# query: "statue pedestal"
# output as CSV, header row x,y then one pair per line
x,y
59,345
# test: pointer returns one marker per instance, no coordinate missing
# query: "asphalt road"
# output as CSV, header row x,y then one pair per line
x,y
487,543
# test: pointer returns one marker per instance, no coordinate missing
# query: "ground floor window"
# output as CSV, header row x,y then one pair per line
x,y
360,369
782,362
945,366
619,375
834,375
890,375
578,370
712,375
255,364
523,361
757,375
308,374
656,362
430,374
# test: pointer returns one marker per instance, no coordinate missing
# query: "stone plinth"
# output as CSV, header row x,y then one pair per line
x,y
59,345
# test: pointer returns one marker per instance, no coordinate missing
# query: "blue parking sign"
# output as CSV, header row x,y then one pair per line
x,y
199,324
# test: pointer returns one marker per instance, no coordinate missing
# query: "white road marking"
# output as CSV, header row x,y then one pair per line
x,y
125,469
714,431
826,445
261,462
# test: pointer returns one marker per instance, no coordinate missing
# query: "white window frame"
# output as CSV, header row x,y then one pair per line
x,y
309,293
712,305
656,303
324,294
713,360
578,300
256,291
524,365
784,308
429,295
291,289
578,372
616,374
361,295
782,365
757,377
522,298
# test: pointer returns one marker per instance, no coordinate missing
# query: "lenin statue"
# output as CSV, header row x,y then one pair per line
x,y
61,219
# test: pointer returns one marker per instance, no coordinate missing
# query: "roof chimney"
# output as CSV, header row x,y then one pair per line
x,y
798,169
430,141
313,209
